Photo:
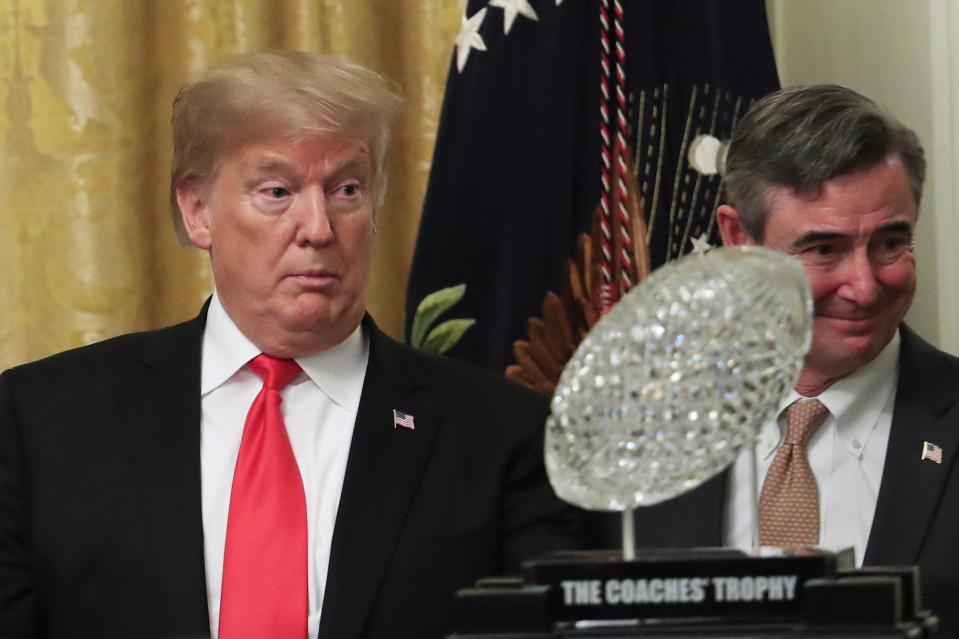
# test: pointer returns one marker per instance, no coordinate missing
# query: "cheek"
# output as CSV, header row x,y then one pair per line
x,y
821,283
356,242
900,276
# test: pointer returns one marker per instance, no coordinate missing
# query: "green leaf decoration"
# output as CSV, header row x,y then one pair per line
x,y
432,306
444,337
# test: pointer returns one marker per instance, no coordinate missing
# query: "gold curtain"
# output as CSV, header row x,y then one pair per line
x,y
86,244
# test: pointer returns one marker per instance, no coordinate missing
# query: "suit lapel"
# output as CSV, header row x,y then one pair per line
x,y
925,411
161,408
382,473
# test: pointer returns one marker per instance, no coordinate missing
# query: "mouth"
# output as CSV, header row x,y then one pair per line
x,y
850,323
313,278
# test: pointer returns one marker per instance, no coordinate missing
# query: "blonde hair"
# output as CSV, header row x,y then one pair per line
x,y
288,94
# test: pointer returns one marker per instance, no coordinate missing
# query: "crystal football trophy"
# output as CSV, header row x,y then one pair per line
x,y
676,379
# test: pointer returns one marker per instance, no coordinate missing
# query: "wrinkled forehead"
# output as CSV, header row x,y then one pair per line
x,y
324,153
863,199
888,175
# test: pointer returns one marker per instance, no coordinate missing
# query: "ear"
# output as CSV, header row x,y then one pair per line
x,y
731,228
194,213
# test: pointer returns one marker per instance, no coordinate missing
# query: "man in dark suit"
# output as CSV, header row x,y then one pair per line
x,y
824,174
154,485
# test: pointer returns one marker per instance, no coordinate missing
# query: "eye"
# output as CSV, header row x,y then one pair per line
x,y
822,250
893,243
892,247
350,190
277,192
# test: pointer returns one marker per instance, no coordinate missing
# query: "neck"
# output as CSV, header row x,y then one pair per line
x,y
297,344
813,383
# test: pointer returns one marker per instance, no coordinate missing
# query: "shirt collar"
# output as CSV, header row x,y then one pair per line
x,y
854,402
859,397
337,371
225,349
340,371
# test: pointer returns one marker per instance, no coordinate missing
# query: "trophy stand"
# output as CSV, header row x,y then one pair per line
x,y
629,534
754,498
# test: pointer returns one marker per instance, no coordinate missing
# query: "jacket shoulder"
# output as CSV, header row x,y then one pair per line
x,y
455,377
110,354
919,357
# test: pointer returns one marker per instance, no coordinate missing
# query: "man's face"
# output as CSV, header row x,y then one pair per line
x,y
855,244
289,228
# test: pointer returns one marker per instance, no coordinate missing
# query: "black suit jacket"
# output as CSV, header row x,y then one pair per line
x,y
917,512
100,515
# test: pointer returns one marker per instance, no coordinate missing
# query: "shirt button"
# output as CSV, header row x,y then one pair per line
x,y
856,444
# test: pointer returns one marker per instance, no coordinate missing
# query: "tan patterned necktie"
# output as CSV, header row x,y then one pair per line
x,y
789,500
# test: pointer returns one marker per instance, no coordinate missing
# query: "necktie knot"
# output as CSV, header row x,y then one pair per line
x,y
276,373
803,417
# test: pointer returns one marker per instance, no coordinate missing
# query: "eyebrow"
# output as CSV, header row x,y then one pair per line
x,y
812,237
272,164
896,227
277,164
354,162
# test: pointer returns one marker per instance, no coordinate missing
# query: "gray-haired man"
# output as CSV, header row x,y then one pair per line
x,y
826,175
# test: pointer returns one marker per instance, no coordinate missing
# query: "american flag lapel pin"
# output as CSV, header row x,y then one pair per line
x,y
403,420
931,452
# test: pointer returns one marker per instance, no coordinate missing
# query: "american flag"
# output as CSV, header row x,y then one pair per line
x,y
402,419
523,96
931,452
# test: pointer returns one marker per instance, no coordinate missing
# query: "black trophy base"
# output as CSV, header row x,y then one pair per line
x,y
696,593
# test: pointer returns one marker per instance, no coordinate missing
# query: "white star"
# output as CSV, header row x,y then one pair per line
x,y
469,38
701,244
511,8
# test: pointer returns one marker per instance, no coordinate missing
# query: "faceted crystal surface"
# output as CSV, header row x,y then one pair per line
x,y
670,384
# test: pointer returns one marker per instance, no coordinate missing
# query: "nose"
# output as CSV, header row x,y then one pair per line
x,y
314,227
860,280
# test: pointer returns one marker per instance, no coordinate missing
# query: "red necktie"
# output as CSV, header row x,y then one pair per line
x,y
264,593
789,500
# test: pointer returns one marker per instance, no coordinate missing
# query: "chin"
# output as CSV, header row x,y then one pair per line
x,y
324,319
855,358
840,357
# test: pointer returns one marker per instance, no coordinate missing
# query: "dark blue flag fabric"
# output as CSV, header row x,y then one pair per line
x,y
516,172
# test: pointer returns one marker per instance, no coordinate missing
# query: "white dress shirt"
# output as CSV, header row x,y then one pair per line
x,y
319,410
846,453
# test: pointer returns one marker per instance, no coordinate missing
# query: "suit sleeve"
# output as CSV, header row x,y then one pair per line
x,y
19,613
535,519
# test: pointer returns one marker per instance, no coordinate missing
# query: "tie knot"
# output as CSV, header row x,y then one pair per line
x,y
803,417
275,373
